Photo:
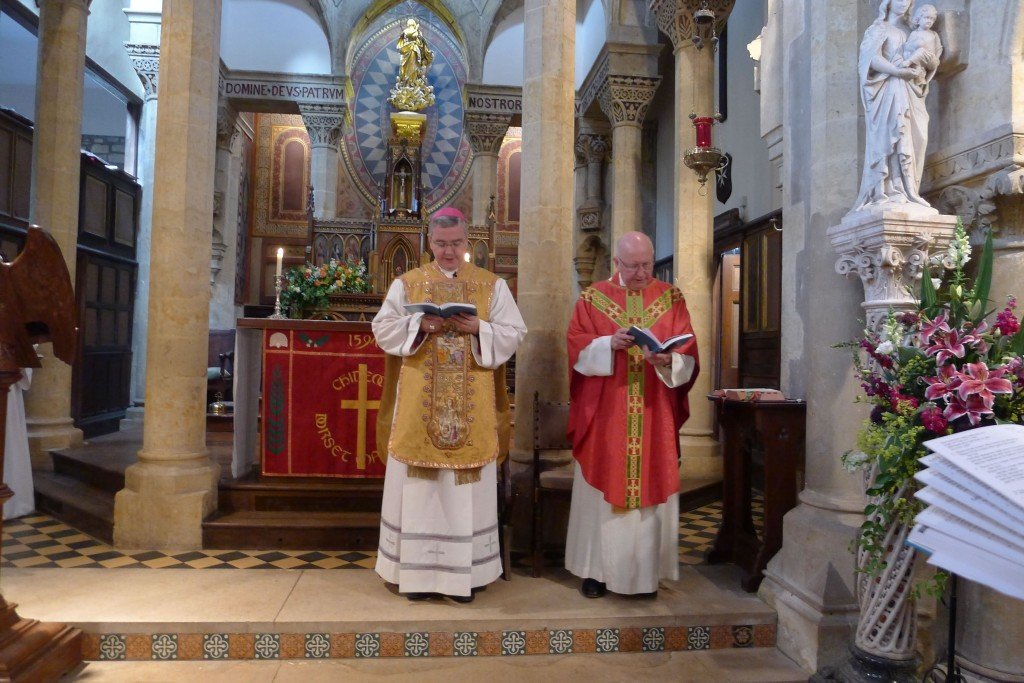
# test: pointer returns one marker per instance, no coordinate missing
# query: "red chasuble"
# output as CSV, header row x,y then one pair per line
x,y
624,427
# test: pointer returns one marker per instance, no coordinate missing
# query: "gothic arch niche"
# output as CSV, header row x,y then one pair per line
x,y
398,259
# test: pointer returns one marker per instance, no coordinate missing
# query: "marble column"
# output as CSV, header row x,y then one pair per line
x,y
174,484
486,133
145,57
694,223
624,100
323,123
545,239
56,168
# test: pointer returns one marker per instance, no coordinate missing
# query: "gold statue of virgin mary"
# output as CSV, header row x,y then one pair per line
x,y
412,92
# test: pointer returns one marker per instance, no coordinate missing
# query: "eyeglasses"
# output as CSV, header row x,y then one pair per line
x,y
454,244
634,267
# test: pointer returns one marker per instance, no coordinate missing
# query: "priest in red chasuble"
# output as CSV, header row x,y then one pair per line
x,y
628,405
444,416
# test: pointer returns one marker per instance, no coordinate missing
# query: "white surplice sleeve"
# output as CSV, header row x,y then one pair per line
x,y
500,336
597,359
394,328
679,373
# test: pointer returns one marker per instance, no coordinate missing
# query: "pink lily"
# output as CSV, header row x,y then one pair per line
x,y
984,383
942,385
974,408
947,346
930,327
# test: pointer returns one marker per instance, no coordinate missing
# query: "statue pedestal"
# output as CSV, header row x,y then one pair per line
x,y
888,248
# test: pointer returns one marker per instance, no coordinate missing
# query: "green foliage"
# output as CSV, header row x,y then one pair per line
x,y
309,287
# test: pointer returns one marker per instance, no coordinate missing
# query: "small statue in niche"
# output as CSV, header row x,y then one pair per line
x,y
895,67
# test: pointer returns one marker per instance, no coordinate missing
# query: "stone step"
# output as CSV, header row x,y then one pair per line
x,y
292,494
195,614
289,530
94,469
76,503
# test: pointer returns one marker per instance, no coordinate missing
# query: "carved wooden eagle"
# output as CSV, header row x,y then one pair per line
x,y
37,304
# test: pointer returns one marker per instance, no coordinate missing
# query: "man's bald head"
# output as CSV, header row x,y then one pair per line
x,y
634,259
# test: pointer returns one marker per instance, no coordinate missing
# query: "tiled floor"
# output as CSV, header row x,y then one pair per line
x,y
41,541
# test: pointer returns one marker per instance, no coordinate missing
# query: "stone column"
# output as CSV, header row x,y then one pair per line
x,y
174,485
145,57
810,581
225,221
592,251
694,223
486,133
56,168
624,100
323,123
546,218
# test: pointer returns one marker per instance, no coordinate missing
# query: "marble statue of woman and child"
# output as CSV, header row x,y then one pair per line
x,y
898,58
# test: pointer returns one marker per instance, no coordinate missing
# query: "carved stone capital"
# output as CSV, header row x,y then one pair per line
x,y
323,123
486,131
890,251
675,18
592,148
227,117
146,60
624,99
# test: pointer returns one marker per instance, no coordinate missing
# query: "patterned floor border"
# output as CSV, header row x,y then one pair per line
x,y
245,646
40,541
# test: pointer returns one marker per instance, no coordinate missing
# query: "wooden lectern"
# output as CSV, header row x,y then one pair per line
x,y
37,305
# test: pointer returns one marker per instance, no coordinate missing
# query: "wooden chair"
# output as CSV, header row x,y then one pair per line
x,y
551,479
505,518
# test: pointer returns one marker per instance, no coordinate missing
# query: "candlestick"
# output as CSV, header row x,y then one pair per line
x,y
278,281
280,259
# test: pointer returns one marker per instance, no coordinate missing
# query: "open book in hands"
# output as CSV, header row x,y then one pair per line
x,y
444,310
645,338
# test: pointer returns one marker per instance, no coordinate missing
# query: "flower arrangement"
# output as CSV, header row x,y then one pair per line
x,y
309,287
942,369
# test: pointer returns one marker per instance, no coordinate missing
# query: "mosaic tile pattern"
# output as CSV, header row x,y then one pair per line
x,y
193,646
40,541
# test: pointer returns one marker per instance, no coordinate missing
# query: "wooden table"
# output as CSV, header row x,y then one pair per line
x,y
777,428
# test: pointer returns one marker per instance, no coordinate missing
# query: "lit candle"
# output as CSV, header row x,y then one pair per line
x,y
280,258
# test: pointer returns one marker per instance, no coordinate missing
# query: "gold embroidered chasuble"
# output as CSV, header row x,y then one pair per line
x,y
450,413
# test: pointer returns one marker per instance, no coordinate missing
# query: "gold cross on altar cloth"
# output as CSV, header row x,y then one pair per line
x,y
361,405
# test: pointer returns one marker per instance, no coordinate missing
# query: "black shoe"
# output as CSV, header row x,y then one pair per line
x,y
593,589
463,598
419,596
646,596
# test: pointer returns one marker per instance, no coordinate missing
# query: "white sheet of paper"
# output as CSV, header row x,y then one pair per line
x,y
968,561
939,463
994,455
932,478
1006,529
954,526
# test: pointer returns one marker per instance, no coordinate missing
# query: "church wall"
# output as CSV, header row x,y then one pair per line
x,y
106,34
18,62
739,135
662,111
986,34
282,36
500,67
590,36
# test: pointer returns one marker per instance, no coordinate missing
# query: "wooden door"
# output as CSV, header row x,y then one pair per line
x,y
729,314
